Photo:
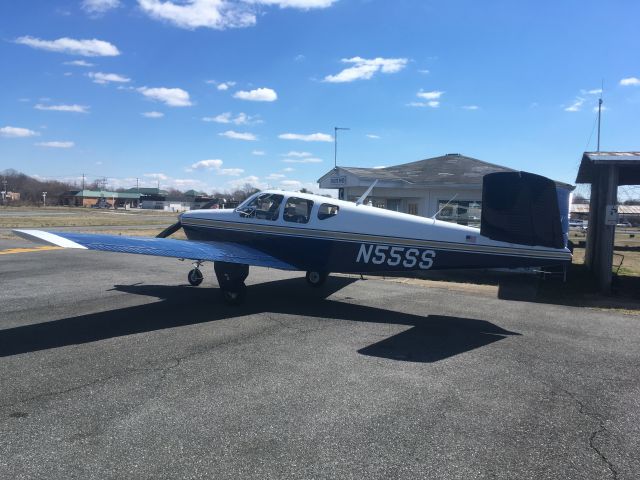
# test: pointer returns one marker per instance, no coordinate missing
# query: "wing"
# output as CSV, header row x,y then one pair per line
x,y
159,247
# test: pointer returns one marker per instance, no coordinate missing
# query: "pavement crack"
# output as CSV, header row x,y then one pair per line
x,y
59,392
582,409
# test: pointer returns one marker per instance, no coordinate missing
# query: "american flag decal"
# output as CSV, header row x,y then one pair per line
x,y
471,238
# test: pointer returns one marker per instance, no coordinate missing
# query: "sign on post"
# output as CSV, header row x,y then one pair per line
x,y
611,215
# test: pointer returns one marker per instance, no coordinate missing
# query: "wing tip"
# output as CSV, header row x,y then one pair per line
x,y
46,238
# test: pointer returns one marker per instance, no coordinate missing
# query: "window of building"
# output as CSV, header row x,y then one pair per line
x,y
412,209
462,212
297,210
327,210
265,206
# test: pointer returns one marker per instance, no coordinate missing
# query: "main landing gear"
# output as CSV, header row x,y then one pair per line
x,y
231,277
316,279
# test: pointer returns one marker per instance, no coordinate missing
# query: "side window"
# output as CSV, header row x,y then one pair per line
x,y
297,210
327,210
264,207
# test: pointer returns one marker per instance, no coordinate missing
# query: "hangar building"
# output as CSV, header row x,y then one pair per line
x,y
451,182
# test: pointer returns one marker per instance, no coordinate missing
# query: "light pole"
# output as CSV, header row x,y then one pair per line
x,y
44,199
335,144
4,191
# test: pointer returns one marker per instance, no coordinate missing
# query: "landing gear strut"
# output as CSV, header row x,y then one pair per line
x,y
316,279
195,276
231,277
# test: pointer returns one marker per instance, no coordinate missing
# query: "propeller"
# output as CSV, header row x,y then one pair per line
x,y
170,230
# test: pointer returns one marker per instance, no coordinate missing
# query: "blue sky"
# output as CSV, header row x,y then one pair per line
x,y
211,94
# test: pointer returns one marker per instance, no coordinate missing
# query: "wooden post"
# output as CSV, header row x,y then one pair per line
x,y
602,248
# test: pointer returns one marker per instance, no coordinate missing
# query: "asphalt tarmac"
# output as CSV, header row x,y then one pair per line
x,y
112,367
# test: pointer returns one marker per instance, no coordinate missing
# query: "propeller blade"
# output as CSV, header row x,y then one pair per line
x,y
170,230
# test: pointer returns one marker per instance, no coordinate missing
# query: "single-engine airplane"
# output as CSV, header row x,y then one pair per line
x,y
521,226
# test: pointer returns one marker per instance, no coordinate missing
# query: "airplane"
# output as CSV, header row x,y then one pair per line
x,y
521,226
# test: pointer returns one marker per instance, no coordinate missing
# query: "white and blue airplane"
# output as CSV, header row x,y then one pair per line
x,y
318,235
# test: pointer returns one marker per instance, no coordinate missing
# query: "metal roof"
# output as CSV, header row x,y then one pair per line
x,y
628,164
450,169
106,194
622,209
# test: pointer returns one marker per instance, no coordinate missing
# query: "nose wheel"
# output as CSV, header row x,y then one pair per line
x,y
316,279
195,277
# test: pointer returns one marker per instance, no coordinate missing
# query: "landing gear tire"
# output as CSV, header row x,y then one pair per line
x,y
235,296
316,279
231,277
195,277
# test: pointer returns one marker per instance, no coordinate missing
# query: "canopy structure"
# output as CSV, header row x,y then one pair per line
x,y
605,171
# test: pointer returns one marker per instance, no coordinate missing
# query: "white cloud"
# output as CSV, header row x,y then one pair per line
x,y
56,144
79,63
313,137
227,117
232,172
152,114
297,154
371,135
257,95
304,160
364,69
378,167
288,169
275,176
157,176
258,152
471,107
239,135
290,183
434,95
213,164
173,97
424,71
63,108
85,48
103,78
216,166
97,7
251,180
430,103
225,85
575,106
191,14
594,91
218,14
16,132
300,4
630,81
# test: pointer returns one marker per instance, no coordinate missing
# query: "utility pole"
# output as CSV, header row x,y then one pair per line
x,y
335,144
83,181
44,199
599,115
4,190
600,111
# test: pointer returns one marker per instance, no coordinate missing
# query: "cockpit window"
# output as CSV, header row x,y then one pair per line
x,y
265,206
297,210
327,210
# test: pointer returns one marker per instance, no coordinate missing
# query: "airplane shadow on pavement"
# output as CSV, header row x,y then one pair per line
x,y
432,338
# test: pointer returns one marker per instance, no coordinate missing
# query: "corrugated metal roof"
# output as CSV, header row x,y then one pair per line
x,y
628,164
450,169
622,209
106,194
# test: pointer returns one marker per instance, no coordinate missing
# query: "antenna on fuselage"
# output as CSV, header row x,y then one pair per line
x,y
364,196
444,206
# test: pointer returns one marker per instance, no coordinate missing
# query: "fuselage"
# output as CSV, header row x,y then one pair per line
x,y
313,232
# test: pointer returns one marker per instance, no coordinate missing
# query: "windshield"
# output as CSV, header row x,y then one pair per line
x,y
263,206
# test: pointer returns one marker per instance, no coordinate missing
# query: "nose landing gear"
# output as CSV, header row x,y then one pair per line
x,y
195,276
